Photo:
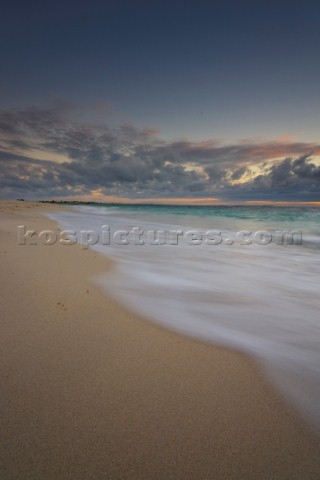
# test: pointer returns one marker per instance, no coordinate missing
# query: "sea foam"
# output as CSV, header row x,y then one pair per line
x,y
260,299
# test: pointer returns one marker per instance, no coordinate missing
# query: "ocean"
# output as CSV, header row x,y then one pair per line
x,y
245,277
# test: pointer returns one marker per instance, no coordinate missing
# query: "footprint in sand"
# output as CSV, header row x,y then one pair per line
x,y
62,305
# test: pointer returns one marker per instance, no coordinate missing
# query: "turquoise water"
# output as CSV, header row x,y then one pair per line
x,y
259,213
229,218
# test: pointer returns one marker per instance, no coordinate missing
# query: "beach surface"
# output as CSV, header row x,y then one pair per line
x,y
91,391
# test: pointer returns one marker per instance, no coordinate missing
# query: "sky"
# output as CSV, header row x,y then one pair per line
x,y
182,101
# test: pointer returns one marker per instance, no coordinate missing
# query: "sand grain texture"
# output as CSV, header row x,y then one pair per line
x,y
89,391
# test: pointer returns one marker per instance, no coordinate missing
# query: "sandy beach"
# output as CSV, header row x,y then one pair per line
x,y
91,391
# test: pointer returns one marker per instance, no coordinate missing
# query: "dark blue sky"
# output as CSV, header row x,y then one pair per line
x,y
229,69
195,71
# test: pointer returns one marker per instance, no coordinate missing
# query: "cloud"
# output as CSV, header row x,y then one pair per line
x,y
126,161
287,180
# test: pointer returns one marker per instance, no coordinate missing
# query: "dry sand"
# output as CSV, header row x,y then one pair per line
x,y
90,391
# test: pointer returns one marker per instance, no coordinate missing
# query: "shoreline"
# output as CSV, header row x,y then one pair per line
x,y
93,391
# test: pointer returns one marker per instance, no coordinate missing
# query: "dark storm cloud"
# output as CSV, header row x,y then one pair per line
x,y
291,179
127,161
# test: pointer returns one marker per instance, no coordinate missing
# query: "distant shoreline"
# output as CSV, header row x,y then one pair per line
x,y
248,204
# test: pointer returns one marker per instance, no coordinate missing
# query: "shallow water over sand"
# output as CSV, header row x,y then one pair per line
x,y
260,298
